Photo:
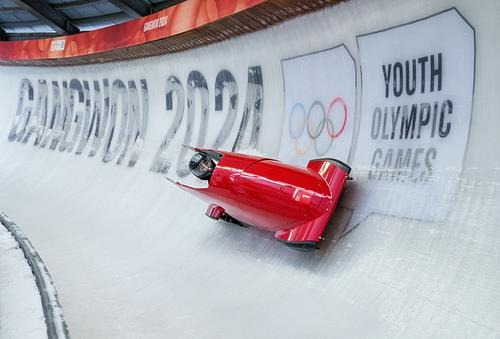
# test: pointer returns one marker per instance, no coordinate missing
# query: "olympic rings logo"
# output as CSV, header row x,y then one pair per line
x,y
300,120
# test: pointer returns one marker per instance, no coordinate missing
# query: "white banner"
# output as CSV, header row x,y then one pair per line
x,y
417,89
320,101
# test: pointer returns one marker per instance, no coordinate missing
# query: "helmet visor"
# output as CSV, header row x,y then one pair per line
x,y
204,168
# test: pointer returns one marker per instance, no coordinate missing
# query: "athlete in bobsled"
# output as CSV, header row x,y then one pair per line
x,y
202,166
293,202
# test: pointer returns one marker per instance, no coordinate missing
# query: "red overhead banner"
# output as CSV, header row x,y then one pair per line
x,y
177,19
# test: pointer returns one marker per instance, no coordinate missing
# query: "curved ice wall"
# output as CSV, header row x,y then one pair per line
x,y
406,92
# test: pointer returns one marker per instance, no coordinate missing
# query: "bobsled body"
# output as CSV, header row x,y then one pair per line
x,y
296,203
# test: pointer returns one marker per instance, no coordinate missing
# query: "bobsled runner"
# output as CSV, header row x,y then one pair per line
x,y
293,202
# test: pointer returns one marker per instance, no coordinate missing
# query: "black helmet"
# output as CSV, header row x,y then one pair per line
x,y
202,166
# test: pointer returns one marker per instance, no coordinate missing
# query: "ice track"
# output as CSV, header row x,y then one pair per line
x,y
132,256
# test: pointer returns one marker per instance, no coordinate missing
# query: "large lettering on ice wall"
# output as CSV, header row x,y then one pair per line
x,y
108,118
417,89
246,134
84,115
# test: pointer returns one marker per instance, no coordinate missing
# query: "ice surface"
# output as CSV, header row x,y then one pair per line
x,y
133,256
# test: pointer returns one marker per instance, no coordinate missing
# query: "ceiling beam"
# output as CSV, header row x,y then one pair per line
x,y
21,24
75,4
101,19
133,8
50,16
164,4
30,36
11,10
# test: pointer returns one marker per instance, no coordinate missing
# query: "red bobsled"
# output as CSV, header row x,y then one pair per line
x,y
293,202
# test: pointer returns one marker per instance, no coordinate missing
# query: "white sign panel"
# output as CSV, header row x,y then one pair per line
x,y
320,101
417,90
